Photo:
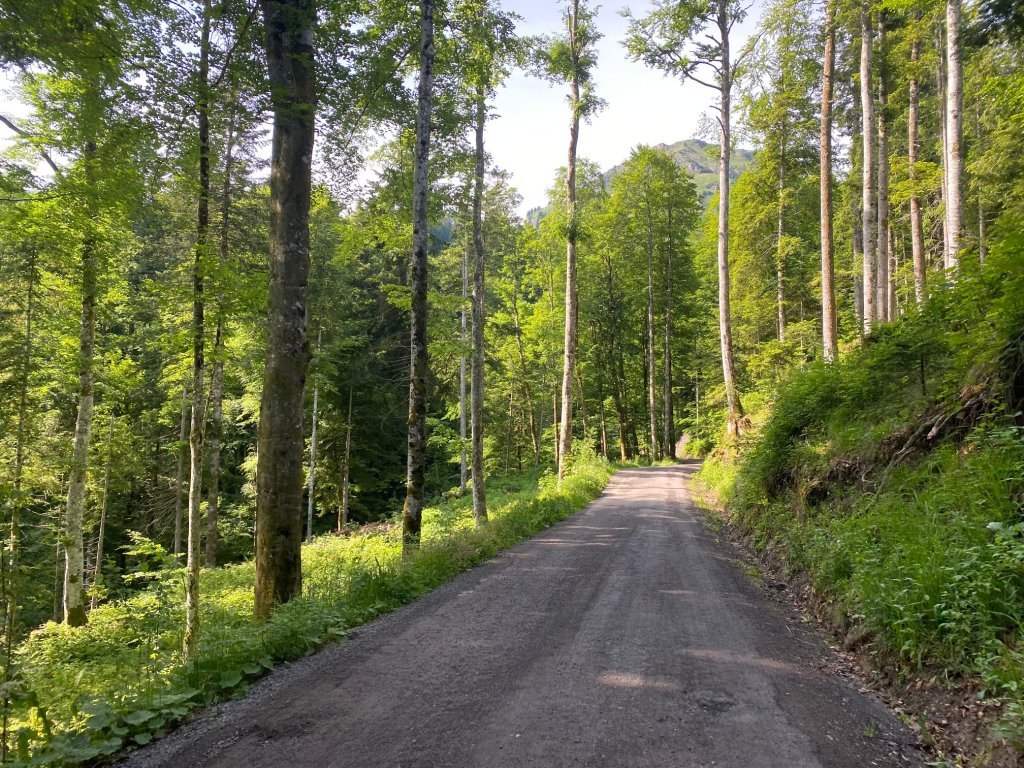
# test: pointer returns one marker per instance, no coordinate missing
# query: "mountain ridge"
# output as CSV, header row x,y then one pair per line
x,y
699,157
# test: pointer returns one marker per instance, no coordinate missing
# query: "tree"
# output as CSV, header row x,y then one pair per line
x,y
829,330
198,424
692,41
916,222
882,279
419,364
952,147
288,42
571,60
868,207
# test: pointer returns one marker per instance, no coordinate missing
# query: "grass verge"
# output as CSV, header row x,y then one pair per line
x,y
895,480
89,693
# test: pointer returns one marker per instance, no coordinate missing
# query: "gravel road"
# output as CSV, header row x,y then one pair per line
x,y
624,636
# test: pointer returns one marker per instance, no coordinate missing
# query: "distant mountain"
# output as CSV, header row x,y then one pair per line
x,y
701,160
699,157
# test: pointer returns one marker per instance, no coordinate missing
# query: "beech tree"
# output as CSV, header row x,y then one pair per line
x,y
829,329
691,41
952,147
571,59
288,41
868,189
419,365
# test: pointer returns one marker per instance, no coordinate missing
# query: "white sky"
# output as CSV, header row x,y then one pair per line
x,y
530,136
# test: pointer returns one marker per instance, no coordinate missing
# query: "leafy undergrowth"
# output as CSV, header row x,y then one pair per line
x,y
119,682
895,480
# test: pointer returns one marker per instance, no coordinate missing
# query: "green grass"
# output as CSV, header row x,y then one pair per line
x,y
120,681
926,554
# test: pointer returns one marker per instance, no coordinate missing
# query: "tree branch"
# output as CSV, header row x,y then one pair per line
x,y
22,132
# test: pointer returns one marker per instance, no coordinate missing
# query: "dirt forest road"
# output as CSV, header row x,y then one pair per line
x,y
624,636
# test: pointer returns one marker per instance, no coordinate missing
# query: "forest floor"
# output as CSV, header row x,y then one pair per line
x,y
627,635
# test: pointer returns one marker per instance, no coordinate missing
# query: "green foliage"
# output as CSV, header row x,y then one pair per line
x,y
120,681
913,531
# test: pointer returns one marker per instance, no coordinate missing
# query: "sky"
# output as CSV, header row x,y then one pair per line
x,y
529,137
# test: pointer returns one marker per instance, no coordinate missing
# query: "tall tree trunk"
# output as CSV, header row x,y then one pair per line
x,y
534,436
916,221
479,297
890,252
732,397
882,308
195,439
652,398
216,425
780,233
464,339
418,361
601,409
215,428
868,211
97,571
345,489
829,325
856,204
569,348
289,26
311,490
953,161
179,479
941,87
617,396
74,556
669,416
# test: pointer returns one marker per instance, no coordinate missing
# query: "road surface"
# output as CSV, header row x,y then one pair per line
x,y
624,636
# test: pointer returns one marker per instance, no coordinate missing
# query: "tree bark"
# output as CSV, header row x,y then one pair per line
x,y
669,415
569,348
829,325
195,439
216,426
868,211
418,361
534,436
916,221
464,338
479,297
954,135
311,490
179,479
652,398
345,489
289,26
74,558
734,406
780,232
882,308
941,86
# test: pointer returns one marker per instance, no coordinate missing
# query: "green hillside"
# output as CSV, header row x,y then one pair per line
x,y
701,160
699,157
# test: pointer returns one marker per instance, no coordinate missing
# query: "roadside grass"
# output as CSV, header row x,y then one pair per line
x,y
920,552
87,694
